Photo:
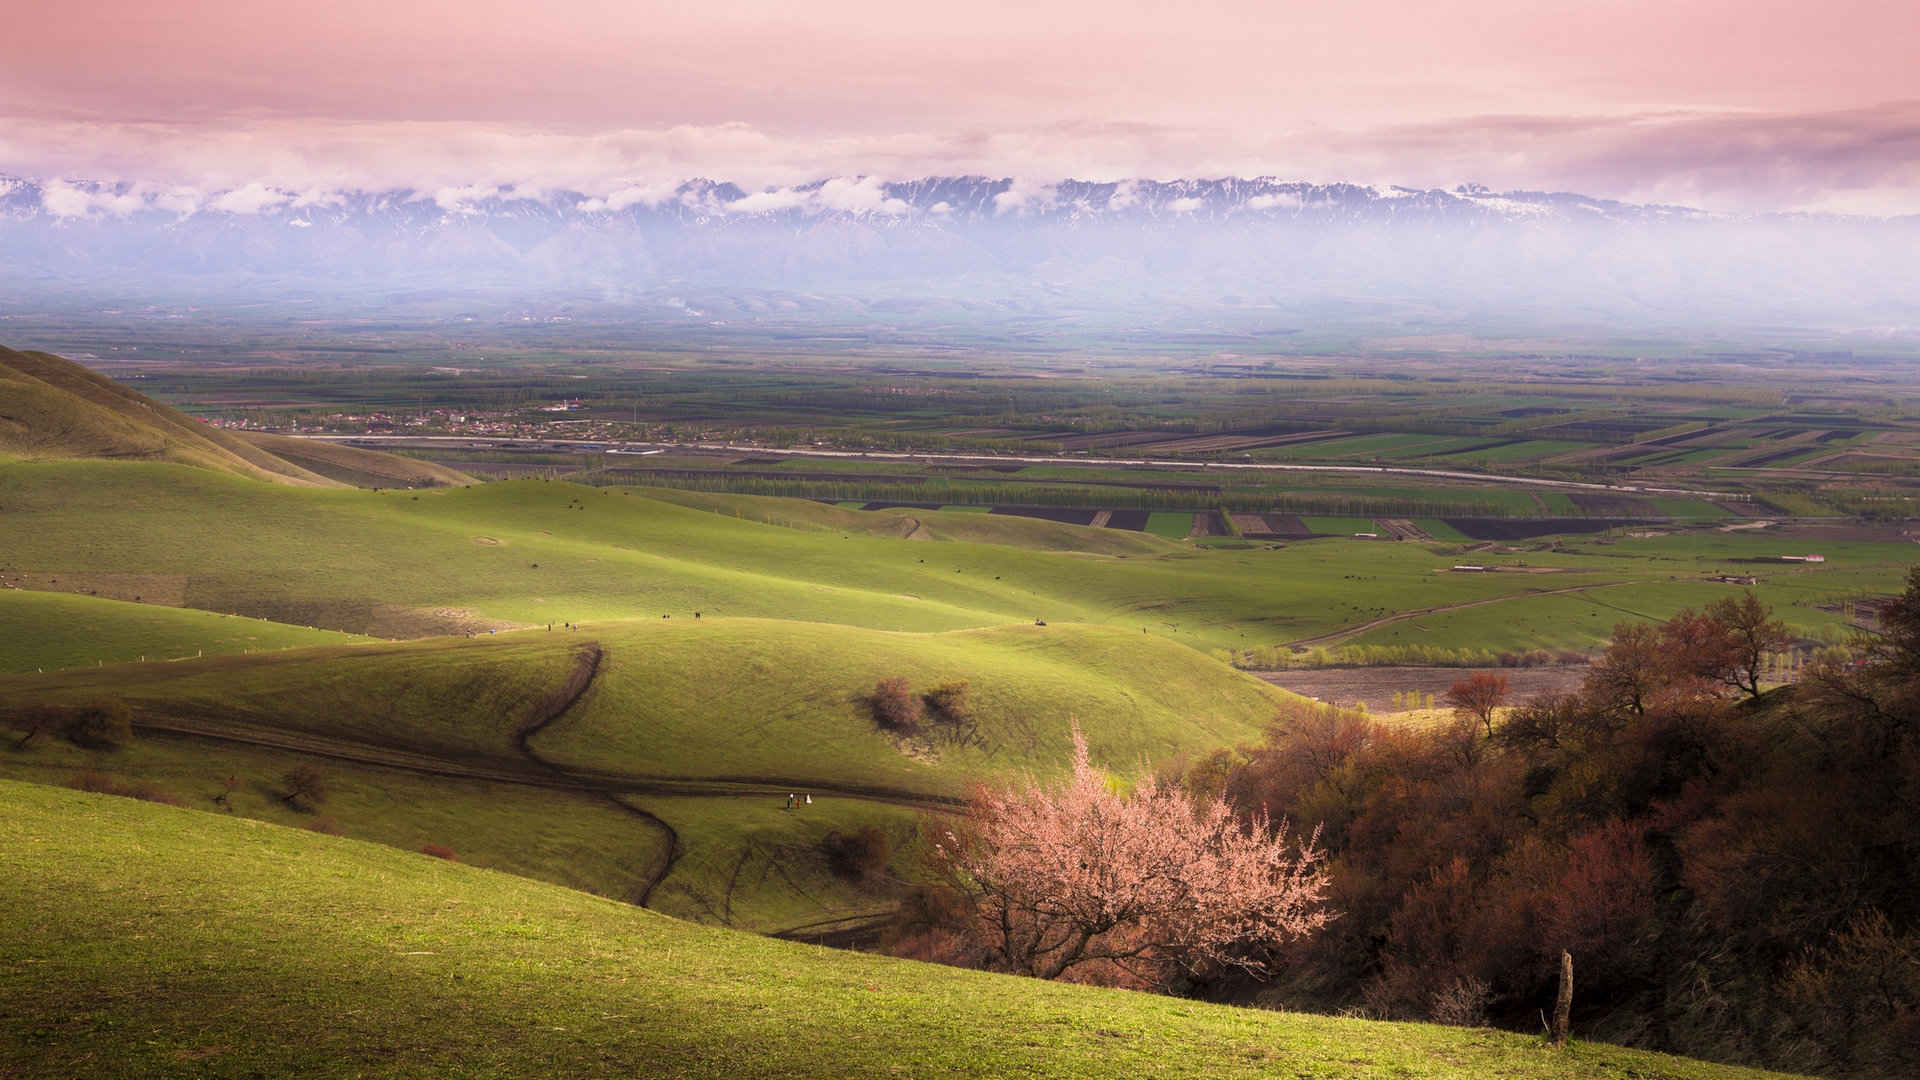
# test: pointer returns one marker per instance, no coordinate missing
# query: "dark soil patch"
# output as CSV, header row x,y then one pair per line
x,y
1670,440
1287,526
901,506
1060,514
1135,520
1528,528
1482,447
1770,458
1533,410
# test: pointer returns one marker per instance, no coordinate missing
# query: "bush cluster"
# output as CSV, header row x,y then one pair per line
x,y
1735,870
108,784
948,708
857,856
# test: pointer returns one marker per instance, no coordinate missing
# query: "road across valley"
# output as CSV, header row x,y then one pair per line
x,y
642,449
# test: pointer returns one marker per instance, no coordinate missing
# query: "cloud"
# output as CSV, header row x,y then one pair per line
x,y
1023,196
459,198
1279,200
67,200
1186,205
862,195
630,195
849,195
770,202
250,199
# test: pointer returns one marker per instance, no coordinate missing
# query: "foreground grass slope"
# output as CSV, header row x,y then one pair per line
x,y
175,943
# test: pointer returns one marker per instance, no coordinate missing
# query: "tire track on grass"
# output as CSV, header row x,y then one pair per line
x,y
557,703
1402,616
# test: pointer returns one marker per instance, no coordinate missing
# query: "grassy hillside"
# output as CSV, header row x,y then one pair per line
x,y
170,942
50,630
353,465
704,725
398,563
762,701
51,407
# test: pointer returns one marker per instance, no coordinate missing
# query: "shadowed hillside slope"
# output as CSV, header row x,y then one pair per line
x,y
51,407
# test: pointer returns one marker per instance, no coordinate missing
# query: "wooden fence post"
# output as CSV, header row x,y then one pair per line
x,y
1563,1004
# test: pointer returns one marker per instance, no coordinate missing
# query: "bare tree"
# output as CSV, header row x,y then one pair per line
x,y
1477,696
304,783
1749,635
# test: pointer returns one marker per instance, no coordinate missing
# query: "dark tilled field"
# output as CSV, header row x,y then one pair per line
x,y
1048,513
1481,447
1376,686
1771,458
1135,520
1528,528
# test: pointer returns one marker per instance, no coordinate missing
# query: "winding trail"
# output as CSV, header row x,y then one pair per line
x,y
525,765
557,703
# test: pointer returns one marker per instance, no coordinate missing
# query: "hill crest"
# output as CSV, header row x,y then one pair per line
x,y
51,407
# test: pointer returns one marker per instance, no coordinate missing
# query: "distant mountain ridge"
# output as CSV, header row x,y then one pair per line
x,y
949,199
978,258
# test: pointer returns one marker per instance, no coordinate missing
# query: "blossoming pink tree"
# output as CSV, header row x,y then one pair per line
x,y
1155,882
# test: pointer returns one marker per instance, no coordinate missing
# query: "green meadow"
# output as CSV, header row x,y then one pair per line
x,y
50,630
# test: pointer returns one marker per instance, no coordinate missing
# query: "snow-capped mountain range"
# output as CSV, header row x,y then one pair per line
x,y
967,199
1231,254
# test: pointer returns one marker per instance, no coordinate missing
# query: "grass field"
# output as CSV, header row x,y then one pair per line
x,y
761,701
48,630
1173,526
239,948
530,552
704,724
1341,526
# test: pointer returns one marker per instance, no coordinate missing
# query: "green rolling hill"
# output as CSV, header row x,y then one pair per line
x,y
234,948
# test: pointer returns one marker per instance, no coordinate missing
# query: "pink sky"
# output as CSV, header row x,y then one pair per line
x,y
1725,103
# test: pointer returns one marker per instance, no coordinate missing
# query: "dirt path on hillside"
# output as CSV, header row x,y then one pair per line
x,y
557,703
528,767
1361,628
